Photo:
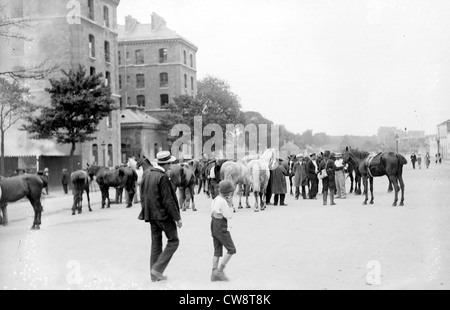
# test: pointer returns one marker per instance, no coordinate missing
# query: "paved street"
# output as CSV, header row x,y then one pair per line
x,y
302,246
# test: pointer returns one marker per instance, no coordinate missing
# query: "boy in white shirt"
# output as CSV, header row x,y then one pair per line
x,y
222,210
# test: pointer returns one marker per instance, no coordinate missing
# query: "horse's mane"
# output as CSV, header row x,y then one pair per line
x,y
358,153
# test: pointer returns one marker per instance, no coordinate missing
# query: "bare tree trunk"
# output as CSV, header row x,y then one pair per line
x,y
2,155
72,151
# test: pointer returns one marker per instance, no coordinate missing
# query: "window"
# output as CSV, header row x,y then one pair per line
x,y
192,83
129,101
121,103
107,52
140,81
185,81
164,79
106,16
109,120
163,55
108,79
120,58
91,46
18,47
128,55
139,57
192,60
120,82
110,155
141,101
128,79
91,9
95,155
17,8
184,57
92,71
164,100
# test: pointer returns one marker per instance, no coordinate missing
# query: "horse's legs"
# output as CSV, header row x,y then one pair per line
x,y
191,196
366,189
261,202
256,201
182,198
80,203
131,192
37,207
4,210
402,187
393,180
390,188
350,175
371,190
75,200
89,199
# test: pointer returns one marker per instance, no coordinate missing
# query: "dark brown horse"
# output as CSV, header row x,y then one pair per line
x,y
183,178
123,177
382,164
18,187
80,182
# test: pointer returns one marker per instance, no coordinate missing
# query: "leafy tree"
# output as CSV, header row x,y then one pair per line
x,y
14,106
78,105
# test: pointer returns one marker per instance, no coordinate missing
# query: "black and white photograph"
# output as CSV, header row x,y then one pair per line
x,y
240,147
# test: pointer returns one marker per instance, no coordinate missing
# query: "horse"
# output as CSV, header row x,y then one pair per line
x,y
388,163
236,173
15,188
123,177
80,182
355,178
183,178
258,175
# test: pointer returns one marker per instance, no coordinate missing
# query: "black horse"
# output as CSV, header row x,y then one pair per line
x,y
355,178
80,182
123,177
15,188
388,163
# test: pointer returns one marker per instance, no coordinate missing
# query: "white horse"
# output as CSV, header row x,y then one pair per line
x,y
258,174
236,173
132,163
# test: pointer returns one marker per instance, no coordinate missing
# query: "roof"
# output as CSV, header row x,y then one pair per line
x,y
444,123
144,32
130,116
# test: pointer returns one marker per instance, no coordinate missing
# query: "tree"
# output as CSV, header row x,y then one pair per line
x,y
78,104
14,106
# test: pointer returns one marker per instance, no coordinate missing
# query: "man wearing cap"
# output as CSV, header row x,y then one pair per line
x,y
161,209
328,182
221,209
312,168
340,177
300,177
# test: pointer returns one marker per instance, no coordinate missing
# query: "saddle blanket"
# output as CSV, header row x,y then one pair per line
x,y
374,160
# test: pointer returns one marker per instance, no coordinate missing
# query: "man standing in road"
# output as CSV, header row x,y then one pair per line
x,y
312,169
65,180
161,209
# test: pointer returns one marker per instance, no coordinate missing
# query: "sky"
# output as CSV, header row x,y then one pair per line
x,y
343,67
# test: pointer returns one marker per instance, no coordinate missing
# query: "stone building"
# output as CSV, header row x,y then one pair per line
x,y
442,139
155,66
69,34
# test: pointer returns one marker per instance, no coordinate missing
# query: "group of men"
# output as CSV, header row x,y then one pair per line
x,y
306,171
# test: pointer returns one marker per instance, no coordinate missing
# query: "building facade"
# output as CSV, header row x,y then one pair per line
x,y
155,66
69,34
442,139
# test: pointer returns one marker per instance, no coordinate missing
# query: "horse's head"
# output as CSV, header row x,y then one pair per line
x,y
132,163
92,171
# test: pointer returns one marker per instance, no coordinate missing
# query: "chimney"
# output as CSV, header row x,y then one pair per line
x,y
130,23
157,21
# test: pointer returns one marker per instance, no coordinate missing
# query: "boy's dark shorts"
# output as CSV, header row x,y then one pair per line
x,y
221,237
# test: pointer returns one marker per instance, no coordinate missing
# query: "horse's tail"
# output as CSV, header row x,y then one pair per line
x,y
401,162
255,178
44,180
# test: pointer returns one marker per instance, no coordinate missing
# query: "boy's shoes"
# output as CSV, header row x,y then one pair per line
x,y
157,275
218,275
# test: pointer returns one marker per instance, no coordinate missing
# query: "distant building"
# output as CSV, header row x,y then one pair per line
x,y
155,66
68,37
442,138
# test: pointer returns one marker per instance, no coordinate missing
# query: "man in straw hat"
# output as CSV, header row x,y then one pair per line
x,y
222,211
161,209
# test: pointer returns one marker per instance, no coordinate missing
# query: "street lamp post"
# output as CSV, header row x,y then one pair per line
x,y
397,139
